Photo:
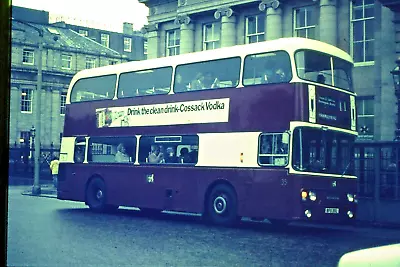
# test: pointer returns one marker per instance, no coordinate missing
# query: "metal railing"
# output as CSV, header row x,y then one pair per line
x,y
21,161
377,169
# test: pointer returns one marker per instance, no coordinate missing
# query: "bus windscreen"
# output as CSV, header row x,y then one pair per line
x,y
316,150
323,68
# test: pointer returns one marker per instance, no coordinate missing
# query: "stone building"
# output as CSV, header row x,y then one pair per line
x,y
363,28
63,53
130,43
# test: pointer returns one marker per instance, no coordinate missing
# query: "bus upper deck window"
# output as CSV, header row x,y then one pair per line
x,y
267,68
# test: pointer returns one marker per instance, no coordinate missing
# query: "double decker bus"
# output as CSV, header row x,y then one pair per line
x,y
263,130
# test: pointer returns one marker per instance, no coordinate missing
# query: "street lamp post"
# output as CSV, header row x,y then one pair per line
x,y
36,184
31,138
396,80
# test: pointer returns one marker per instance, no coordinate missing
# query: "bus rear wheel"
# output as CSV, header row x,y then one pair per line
x,y
221,205
96,196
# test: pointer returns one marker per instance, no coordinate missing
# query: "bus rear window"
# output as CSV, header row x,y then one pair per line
x,y
222,73
145,82
96,88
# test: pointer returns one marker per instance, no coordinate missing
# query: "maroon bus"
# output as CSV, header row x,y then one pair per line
x,y
263,130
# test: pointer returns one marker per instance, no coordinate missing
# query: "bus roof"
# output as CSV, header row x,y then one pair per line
x,y
288,44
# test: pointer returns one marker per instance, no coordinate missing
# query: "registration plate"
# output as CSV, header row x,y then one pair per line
x,y
332,210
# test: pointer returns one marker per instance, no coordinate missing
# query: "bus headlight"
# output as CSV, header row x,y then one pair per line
x,y
312,195
308,213
350,197
350,214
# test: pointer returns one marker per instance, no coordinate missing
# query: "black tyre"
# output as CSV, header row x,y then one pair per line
x,y
221,206
96,196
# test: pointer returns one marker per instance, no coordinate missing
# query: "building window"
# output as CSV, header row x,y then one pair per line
x,y
304,22
105,39
28,56
26,100
127,44
66,61
90,62
83,33
255,29
145,44
365,116
63,99
211,36
362,30
173,42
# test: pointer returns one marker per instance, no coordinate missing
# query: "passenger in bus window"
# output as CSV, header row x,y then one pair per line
x,y
266,147
121,155
321,78
184,156
267,76
79,154
179,86
198,82
281,75
170,156
210,81
155,155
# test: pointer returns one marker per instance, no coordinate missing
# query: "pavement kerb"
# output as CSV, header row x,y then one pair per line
x,y
45,191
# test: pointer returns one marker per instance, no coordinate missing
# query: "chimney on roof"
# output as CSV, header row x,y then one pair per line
x,y
128,28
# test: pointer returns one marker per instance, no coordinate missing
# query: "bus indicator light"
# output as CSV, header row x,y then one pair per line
x,y
241,157
304,195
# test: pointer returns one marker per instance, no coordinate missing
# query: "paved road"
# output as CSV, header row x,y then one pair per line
x,y
50,232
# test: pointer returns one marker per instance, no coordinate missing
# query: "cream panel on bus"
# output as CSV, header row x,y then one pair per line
x,y
228,149
67,149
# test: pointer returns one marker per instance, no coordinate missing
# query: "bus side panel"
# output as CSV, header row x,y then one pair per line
x,y
269,196
72,182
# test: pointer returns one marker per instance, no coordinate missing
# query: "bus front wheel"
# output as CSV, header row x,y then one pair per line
x,y
96,196
222,205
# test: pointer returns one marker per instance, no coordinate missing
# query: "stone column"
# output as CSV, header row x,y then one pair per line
x,y
153,39
187,34
15,110
328,22
273,21
55,115
228,23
